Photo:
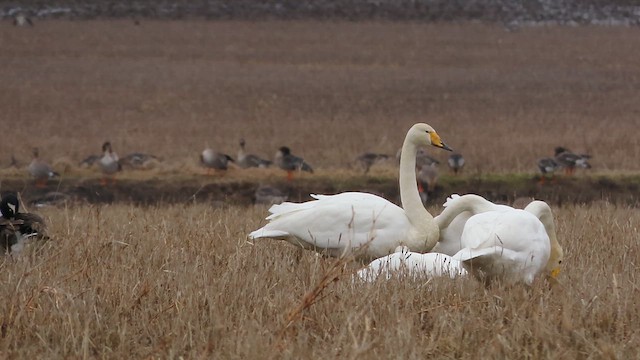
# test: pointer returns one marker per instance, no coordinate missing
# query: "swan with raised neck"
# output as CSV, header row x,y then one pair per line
x,y
335,224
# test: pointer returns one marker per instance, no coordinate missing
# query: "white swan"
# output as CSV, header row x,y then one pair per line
x,y
413,264
500,241
336,224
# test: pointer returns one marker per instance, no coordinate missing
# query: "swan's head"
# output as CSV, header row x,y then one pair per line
x,y
542,210
423,134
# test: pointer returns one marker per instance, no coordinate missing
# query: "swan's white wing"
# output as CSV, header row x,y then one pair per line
x,y
505,243
461,208
336,222
415,264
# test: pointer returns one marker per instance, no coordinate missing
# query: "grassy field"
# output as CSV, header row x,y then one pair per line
x,y
128,282
171,280
329,90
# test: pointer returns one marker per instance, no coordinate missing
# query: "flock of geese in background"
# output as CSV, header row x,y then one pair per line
x,y
426,168
471,236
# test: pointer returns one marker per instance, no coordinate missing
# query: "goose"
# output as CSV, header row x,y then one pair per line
x,y
547,166
290,163
570,161
40,170
249,160
427,179
368,159
20,19
500,241
214,160
138,160
456,162
108,163
17,227
367,225
89,161
413,264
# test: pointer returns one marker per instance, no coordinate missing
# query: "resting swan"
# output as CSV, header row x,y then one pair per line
x,y
336,224
414,264
500,241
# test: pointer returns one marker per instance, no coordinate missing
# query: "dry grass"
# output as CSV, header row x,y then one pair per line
x,y
328,90
127,282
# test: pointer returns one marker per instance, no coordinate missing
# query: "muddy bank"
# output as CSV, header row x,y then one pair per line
x,y
624,190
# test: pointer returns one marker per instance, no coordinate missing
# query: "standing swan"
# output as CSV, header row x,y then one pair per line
x,y
336,224
498,240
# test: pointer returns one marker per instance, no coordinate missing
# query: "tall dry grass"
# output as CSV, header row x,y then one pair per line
x,y
328,90
129,282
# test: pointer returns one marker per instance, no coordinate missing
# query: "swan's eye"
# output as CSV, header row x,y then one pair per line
x,y
560,262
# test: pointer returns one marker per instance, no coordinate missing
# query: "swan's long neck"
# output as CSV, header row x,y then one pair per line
x,y
473,203
420,219
543,212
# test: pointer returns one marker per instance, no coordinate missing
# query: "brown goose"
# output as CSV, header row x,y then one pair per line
x,y
40,170
427,180
109,163
290,163
456,162
368,159
249,160
214,160
570,161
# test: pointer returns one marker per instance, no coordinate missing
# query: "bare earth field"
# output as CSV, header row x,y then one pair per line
x,y
328,90
128,282
178,278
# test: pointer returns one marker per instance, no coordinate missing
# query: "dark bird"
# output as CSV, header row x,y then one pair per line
x,y
456,162
368,159
249,160
89,161
547,166
17,227
570,161
290,163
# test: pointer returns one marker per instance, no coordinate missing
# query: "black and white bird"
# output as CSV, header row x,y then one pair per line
x,y
456,162
290,163
367,160
249,160
16,227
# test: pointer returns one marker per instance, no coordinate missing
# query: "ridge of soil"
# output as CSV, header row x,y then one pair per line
x,y
621,190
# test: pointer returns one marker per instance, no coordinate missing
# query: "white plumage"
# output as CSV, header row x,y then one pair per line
x,y
416,265
499,241
351,221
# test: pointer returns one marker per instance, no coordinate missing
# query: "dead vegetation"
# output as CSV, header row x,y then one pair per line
x,y
329,91
121,281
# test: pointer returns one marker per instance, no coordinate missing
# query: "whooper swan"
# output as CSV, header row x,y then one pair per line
x,y
336,224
